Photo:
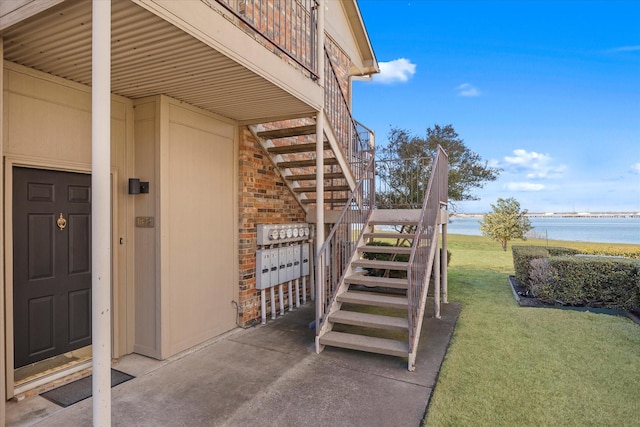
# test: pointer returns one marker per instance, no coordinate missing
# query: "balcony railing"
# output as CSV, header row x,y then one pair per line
x,y
401,183
354,138
287,25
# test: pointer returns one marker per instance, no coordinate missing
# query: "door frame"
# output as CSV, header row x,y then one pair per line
x,y
28,162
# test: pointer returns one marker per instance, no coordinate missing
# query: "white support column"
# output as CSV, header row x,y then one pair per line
x,y
436,279
445,261
101,211
320,282
3,384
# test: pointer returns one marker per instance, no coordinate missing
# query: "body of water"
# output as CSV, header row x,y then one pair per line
x,y
605,230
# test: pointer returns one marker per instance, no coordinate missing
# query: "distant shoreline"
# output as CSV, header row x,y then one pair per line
x,y
562,215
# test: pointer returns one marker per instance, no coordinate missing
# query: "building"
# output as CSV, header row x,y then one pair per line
x,y
220,112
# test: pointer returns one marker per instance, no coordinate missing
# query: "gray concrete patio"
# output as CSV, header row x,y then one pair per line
x,y
268,375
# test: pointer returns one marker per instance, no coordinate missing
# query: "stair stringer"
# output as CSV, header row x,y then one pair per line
x,y
335,305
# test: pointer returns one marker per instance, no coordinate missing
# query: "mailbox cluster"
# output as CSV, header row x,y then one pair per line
x,y
280,265
282,260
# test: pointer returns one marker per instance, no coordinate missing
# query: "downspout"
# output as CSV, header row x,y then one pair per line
x,y
320,282
101,211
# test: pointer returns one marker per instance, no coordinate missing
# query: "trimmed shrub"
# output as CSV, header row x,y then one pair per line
x,y
554,251
522,257
589,281
542,279
565,276
622,251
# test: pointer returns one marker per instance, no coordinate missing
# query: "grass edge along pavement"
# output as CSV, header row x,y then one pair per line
x,y
509,365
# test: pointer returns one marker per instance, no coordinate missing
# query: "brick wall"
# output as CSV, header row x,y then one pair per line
x,y
264,199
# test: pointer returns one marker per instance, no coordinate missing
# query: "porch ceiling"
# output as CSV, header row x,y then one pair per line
x,y
149,56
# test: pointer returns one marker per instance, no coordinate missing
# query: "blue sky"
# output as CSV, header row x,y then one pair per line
x,y
548,91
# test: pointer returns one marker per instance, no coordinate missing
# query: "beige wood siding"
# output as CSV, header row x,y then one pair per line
x,y
200,228
186,266
146,279
338,27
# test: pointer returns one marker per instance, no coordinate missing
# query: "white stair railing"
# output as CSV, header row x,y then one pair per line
x,y
335,254
423,251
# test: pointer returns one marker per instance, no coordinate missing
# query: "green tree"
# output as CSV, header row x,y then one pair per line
x,y
505,222
405,182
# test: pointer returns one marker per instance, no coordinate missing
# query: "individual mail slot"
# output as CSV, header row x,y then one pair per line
x,y
282,265
273,270
297,259
305,259
263,266
290,261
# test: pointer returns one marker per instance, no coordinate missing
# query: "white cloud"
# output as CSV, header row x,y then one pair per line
x,y
626,49
466,89
534,165
524,186
636,168
398,70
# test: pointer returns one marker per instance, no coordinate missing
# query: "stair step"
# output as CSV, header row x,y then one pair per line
x,y
365,343
389,235
373,281
306,163
295,148
370,298
312,176
369,320
393,222
288,132
386,265
336,200
326,188
374,249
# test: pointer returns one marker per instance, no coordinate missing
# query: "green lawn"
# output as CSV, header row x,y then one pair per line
x,y
513,366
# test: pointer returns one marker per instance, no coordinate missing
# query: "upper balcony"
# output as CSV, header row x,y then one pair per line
x,y
195,51
287,28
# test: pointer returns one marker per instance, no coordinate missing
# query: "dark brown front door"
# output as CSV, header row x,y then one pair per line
x,y
51,263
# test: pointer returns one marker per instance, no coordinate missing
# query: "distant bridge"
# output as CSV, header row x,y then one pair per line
x,y
566,215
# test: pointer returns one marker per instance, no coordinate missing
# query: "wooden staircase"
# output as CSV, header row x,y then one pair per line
x,y
370,310
293,151
366,305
